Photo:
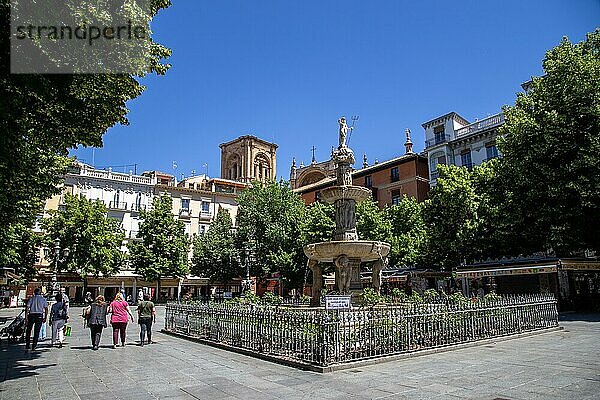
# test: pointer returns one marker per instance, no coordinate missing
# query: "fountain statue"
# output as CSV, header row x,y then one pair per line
x,y
346,251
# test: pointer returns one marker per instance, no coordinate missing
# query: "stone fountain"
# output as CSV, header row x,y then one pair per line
x,y
346,251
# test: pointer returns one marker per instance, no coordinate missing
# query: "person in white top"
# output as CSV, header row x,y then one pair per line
x,y
36,313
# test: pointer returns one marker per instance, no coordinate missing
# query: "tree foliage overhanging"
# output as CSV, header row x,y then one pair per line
x,y
42,116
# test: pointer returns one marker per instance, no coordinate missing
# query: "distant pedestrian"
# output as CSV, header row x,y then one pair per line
x,y
88,298
96,319
65,297
36,314
146,316
119,310
59,314
140,296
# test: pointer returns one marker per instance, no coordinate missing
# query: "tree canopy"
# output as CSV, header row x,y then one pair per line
x,y
94,239
551,151
163,246
44,115
270,219
215,254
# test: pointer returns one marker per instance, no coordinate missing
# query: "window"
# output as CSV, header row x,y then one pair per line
x,y
465,159
491,151
205,207
439,134
396,196
395,176
185,204
368,181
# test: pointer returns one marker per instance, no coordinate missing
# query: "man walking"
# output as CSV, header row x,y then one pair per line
x,y
36,314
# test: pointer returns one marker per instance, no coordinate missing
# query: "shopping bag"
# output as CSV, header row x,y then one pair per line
x,y
67,330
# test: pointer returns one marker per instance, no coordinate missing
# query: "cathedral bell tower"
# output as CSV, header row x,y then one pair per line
x,y
248,158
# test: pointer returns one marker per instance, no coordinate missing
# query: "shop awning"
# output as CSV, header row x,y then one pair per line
x,y
572,265
516,270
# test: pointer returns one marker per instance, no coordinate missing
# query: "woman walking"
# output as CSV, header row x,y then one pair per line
x,y
96,319
146,316
59,315
119,310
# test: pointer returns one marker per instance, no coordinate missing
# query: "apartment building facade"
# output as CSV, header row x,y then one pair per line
x,y
452,140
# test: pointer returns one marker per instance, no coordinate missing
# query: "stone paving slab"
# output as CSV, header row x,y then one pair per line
x,y
557,365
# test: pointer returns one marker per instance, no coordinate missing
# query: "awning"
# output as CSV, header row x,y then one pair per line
x,y
523,270
580,265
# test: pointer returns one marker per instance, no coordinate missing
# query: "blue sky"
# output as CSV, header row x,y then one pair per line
x,y
286,70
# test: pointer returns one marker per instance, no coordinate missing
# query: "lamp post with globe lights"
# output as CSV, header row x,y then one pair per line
x,y
54,285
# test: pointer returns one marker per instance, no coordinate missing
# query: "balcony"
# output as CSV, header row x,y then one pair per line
x,y
484,124
133,234
185,213
138,207
437,140
117,205
205,215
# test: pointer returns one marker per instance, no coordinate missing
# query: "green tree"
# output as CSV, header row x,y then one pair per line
x,y
451,218
408,234
93,238
270,219
44,115
372,223
551,151
319,223
163,247
215,255
20,250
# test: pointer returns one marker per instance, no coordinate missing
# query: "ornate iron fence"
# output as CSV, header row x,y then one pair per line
x,y
323,338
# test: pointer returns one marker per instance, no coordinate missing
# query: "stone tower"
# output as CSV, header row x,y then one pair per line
x,y
248,158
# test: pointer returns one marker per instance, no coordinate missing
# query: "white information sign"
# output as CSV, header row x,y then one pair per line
x,y
337,302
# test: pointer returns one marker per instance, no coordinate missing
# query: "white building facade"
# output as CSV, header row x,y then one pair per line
x,y
452,140
123,194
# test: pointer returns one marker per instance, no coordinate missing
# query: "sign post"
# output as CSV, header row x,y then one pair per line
x,y
337,302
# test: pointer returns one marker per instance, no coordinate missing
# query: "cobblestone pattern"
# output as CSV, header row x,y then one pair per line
x,y
556,365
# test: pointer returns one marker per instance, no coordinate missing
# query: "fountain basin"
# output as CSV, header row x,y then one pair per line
x,y
357,193
365,250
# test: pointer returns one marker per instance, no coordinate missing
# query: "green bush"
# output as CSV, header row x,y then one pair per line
x,y
271,298
430,296
369,297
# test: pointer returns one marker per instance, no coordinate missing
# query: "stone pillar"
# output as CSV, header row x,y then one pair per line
x,y
345,219
317,285
355,281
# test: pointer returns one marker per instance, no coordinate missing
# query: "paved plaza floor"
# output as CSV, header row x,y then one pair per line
x,y
556,365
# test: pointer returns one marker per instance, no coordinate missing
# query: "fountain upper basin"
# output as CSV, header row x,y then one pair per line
x,y
358,193
365,250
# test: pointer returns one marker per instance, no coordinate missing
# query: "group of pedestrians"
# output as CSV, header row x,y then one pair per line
x,y
95,315
36,315
120,314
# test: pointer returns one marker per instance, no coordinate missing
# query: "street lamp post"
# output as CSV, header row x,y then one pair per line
x,y
57,252
247,283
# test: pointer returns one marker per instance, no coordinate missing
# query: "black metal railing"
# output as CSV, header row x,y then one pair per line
x,y
117,205
437,140
318,337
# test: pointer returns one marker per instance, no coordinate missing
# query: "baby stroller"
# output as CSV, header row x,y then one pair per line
x,y
16,330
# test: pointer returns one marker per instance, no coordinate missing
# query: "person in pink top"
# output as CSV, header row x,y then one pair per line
x,y
119,316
